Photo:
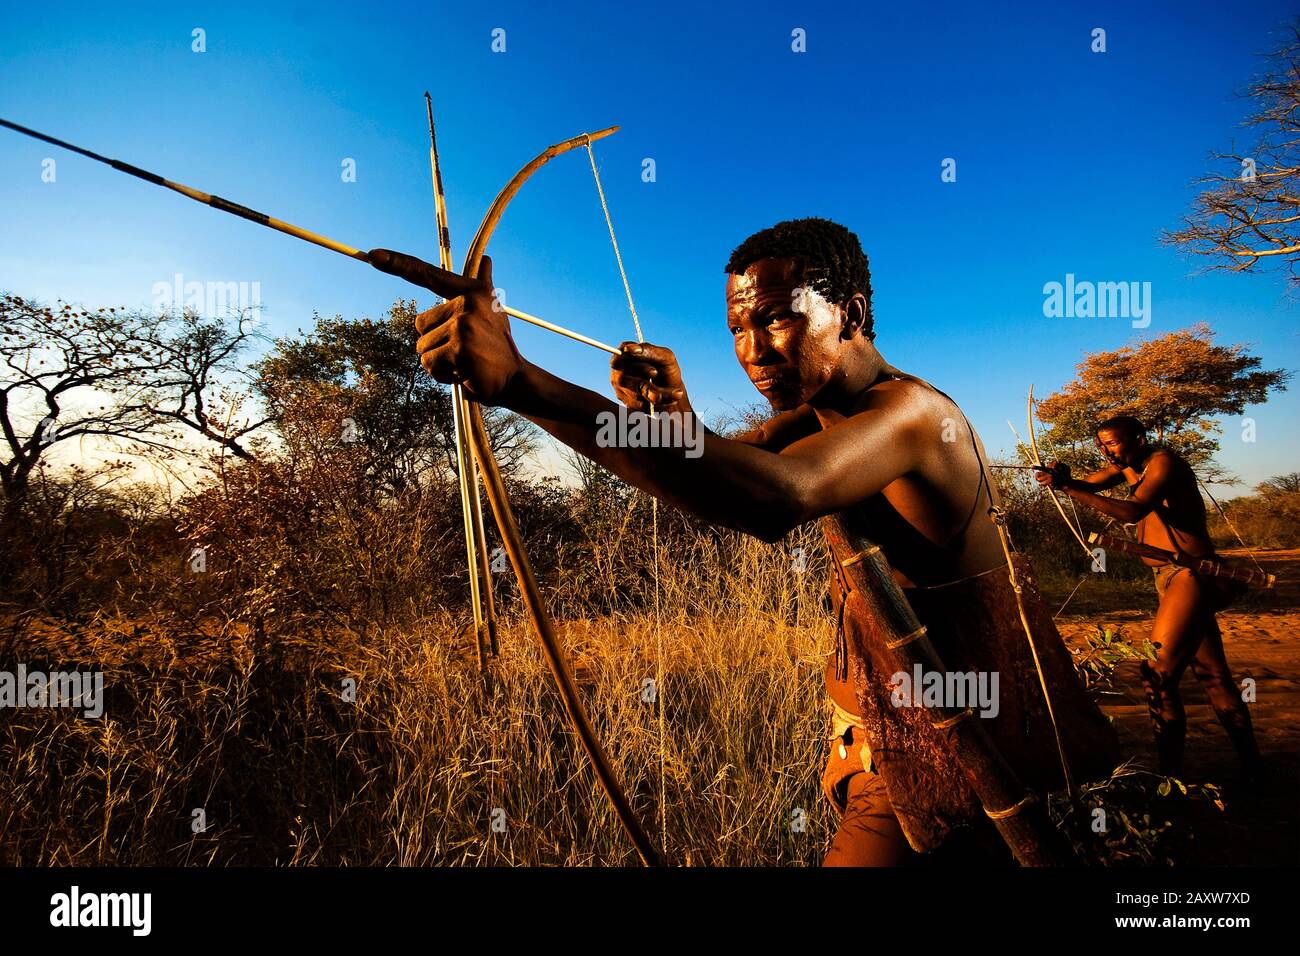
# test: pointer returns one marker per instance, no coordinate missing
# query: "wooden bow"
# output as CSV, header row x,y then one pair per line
x,y
1038,462
412,269
513,541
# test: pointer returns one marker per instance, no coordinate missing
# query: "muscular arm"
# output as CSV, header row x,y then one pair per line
x,y
735,483
1150,492
1100,480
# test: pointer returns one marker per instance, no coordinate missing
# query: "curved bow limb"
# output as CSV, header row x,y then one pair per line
x,y
498,207
1038,460
513,540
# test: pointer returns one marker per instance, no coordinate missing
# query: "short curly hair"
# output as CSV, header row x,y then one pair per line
x,y
829,255
1127,424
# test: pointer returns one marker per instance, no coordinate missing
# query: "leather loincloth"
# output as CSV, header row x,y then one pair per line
x,y
1220,593
975,626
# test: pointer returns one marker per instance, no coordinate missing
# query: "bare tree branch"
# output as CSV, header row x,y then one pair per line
x,y
1248,214
128,377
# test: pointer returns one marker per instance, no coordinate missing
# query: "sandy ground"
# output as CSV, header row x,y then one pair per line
x,y
1260,639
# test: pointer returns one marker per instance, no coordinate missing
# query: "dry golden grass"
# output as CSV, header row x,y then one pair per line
x,y
253,729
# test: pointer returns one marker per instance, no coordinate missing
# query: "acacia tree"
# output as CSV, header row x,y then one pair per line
x,y
1176,384
1287,484
1250,214
200,381
362,378
133,378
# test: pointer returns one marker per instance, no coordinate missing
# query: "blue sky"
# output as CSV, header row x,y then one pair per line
x,y
1067,162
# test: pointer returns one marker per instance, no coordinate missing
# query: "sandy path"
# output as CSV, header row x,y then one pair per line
x,y
1261,640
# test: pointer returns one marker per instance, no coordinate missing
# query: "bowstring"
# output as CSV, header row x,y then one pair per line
x,y
1223,514
998,516
618,256
654,520
1025,448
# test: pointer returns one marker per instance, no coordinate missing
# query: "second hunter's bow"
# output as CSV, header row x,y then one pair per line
x,y
1038,461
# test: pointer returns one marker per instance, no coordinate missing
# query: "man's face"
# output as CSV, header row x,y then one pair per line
x,y
1119,447
787,337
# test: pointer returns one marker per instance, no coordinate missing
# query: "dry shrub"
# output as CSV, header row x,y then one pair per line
x,y
226,685
289,772
1263,521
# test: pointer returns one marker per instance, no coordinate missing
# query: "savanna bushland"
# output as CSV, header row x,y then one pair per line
x,y
258,543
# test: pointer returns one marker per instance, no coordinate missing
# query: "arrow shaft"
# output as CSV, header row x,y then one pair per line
x,y
288,228
410,268
480,572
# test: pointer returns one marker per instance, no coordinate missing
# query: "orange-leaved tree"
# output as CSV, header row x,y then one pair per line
x,y
1177,385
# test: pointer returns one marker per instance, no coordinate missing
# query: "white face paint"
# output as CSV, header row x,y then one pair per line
x,y
808,302
805,299
787,334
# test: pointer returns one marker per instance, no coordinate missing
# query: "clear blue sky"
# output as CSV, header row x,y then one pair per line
x,y
1067,161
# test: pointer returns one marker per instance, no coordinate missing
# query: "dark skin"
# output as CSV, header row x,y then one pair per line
x,y
849,435
1166,500
1167,508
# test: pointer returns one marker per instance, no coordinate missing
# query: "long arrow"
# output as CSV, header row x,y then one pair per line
x,y
480,595
423,274
394,263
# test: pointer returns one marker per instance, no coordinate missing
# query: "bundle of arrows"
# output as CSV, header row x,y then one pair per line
x,y
1213,566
